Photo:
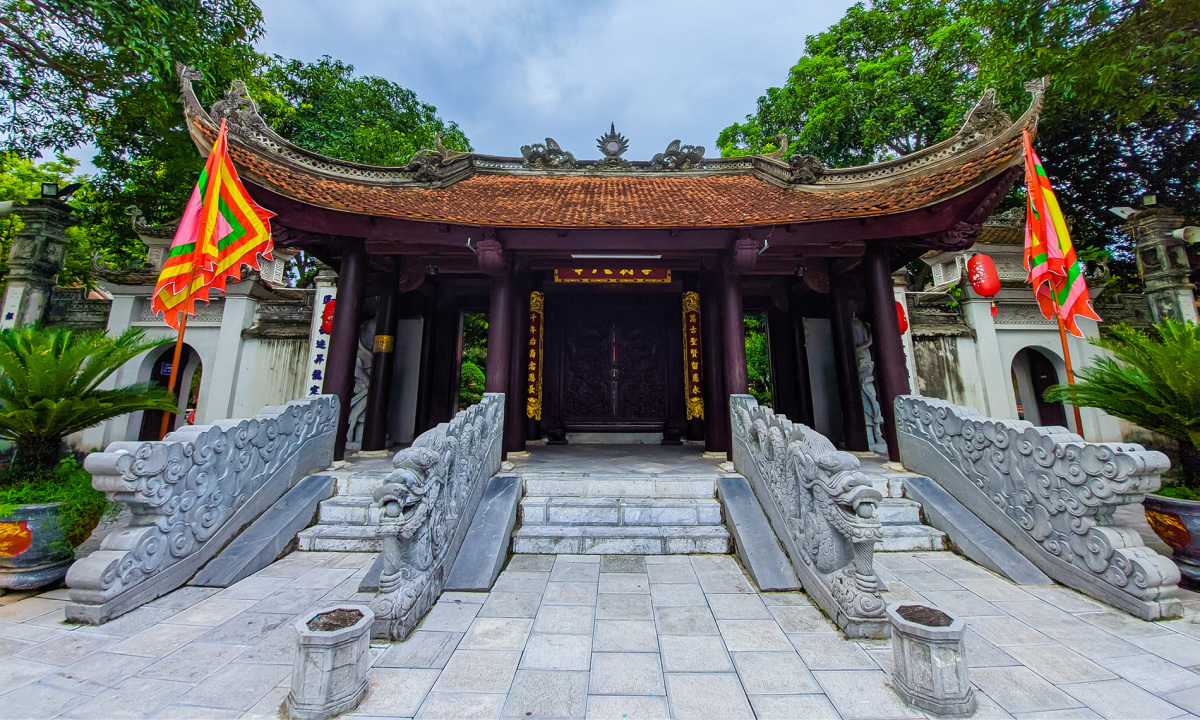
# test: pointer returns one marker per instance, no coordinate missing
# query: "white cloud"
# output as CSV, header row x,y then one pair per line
x,y
511,72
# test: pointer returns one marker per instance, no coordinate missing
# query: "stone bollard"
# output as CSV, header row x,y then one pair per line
x,y
929,669
332,660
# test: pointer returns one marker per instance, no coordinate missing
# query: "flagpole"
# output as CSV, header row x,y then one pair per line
x,y
166,421
1062,335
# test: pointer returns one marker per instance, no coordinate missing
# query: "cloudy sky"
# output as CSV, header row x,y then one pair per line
x,y
512,72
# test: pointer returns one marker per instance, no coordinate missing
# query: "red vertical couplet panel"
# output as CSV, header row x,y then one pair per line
x,y
533,401
693,357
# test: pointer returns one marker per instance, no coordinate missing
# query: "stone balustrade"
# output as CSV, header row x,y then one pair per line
x,y
822,507
426,506
1050,494
189,495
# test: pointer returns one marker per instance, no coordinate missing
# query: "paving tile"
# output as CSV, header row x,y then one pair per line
x,y
455,596
543,694
481,671
961,603
521,581
15,672
246,628
397,692
801,619
627,707
748,635
793,707
1092,642
55,619
535,563
736,606
1179,649
685,621
774,673
513,605
1117,699
31,633
268,707
1065,599
570,619
97,672
624,582
1005,631
987,709
195,712
193,662
788,599
625,636
8,646
676,594
322,577
724,582
237,686
575,572
830,651
623,606
1187,699
463,706
130,623
898,592
278,648
622,564
488,633
1058,664
134,698
29,608
159,640
673,573
67,649
37,700
953,566
1152,673
253,588
450,616
557,652
863,694
927,580
1019,689
694,653
569,593
289,600
626,674
1188,625
422,649
212,611
1124,626
183,598
707,695
993,589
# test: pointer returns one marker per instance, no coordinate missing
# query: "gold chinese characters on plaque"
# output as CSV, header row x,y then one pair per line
x,y
533,401
612,275
693,365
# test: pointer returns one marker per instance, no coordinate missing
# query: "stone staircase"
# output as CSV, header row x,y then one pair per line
x,y
602,514
346,522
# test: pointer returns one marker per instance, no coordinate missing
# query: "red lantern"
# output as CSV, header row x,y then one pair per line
x,y
327,317
982,273
900,317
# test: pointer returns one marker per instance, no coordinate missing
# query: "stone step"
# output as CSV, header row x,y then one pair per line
x,y
911,538
615,486
894,511
348,510
362,483
601,511
621,540
339,538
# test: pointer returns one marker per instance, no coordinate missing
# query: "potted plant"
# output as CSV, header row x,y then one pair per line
x,y
49,388
1153,381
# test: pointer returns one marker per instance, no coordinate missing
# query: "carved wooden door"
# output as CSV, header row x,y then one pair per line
x,y
614,365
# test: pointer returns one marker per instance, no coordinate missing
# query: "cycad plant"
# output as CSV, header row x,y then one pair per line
x,y
1153,381
50,387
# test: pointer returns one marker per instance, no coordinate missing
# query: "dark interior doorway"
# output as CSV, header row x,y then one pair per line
x,y
160,374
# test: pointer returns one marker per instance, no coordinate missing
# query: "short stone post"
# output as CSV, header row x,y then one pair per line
x,y
332,660
929,668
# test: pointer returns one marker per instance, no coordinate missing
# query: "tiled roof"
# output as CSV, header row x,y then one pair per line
x,y
619,201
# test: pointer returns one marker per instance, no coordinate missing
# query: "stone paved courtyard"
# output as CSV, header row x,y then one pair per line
x,y
597,637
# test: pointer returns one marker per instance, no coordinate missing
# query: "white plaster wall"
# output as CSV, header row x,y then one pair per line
x,y
822,376
402,406
271,372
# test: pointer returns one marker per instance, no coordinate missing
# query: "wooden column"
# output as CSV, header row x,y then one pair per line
x,y
716,401
379,393
343,341
733,325
804,398
494,261
854,427
891,373
514,405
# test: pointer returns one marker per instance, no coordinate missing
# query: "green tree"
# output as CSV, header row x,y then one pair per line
x,y
50,387
474,359
326,108
758,358
1153,381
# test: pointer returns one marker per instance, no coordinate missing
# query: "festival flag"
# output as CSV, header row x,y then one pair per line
x,y
1054,270
222,229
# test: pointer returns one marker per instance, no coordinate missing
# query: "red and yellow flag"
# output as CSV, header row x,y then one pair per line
x,y
1054,270
221,230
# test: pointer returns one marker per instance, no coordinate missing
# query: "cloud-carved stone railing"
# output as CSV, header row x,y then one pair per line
x,y
1049,493
426,507
189,495
822,508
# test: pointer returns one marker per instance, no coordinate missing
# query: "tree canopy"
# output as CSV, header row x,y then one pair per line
x,y
1122,116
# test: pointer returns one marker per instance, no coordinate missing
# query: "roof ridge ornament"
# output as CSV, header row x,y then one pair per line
x,y
679,157
985,120
237,108
613,144
782,139
806,168
546,157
